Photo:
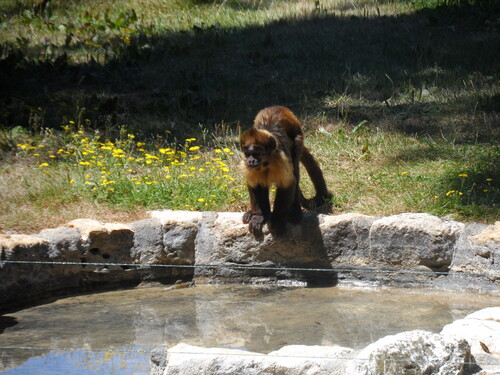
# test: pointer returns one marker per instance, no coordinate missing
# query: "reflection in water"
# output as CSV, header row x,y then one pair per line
x,y
113,333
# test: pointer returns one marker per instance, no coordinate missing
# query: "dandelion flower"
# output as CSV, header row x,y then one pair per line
x,y
43,165
463,175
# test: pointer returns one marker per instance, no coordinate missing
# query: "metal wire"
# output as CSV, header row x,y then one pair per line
x,y
237,267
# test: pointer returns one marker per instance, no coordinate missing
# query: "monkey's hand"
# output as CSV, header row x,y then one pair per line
x,y
255,225
247,216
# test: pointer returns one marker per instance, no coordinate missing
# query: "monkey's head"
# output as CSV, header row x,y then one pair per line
x,y
257,147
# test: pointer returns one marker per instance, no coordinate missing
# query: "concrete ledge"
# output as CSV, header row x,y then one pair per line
x,y
405,249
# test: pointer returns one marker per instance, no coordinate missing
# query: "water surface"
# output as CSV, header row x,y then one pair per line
x,y
113,332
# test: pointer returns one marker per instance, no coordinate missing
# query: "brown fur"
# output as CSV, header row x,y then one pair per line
x,y
272,151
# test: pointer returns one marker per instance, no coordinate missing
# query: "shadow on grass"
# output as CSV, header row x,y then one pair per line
x,y
214,76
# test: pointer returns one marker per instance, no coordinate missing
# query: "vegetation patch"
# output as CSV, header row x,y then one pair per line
x,y
399,100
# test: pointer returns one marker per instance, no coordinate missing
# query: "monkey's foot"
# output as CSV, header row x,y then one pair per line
x,y
277,225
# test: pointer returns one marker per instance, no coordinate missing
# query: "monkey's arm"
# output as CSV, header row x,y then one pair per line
x,y
260,209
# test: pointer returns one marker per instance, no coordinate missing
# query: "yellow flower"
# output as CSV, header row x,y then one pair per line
x,y
450,192
217,151
194,148
43,165
489,179
227,150
201,200
463,175
71,181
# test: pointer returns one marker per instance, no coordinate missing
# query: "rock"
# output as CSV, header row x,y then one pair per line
x,y
224,241
185,359
409,240
415,353
481,329
346,238
167,239
104,243
476,259
490,234
64,243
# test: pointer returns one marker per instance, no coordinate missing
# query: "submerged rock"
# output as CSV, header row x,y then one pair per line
x,y
407,353
184,359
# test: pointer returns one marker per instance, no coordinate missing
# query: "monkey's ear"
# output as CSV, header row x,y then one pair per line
x,y
271,143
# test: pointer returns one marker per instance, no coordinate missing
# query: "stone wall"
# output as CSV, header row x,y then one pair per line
x,y
405,249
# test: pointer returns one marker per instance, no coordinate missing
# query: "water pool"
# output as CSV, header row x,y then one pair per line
x,y
114,332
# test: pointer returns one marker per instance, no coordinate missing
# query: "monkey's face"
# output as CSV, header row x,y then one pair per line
x,y
257,147
255,156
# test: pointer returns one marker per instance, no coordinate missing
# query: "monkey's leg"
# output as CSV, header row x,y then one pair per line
x,y
295,216
314,171
282,211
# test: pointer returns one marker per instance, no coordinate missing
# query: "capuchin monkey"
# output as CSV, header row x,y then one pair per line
x,y
272,150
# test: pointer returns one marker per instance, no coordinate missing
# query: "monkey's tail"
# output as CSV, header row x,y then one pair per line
x,y
316,175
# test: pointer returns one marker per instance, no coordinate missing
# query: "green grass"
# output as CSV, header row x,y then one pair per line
x,y
400,101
